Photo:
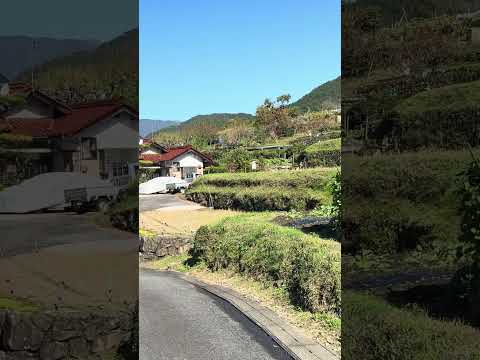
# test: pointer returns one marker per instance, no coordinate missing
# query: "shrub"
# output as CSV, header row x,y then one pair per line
x,y
377,330
307,267
396,202
323,153
276,190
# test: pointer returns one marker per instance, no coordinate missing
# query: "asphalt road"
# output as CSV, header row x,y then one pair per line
x,y
160,201
25,233
179,321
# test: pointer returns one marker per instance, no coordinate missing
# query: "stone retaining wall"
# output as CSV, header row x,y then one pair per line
x,y
161,246
62,335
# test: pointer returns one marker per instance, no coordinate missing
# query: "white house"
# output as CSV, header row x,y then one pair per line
x,y
97,138
183,162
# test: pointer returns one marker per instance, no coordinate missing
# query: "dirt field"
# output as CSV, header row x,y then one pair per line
x,y
183,221
89,274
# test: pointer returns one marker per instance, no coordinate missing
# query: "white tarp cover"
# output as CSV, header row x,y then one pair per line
x,y
158,185
47,191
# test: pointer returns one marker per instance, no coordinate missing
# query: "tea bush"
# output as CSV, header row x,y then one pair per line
x,y
307,267
276,190
397,202
377,330
323,153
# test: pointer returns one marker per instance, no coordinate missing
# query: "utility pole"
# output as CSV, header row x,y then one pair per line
x,y
34,45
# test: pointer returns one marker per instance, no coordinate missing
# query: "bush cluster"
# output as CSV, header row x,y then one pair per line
x,y
377,330
323,153
276,190
394,203
307,267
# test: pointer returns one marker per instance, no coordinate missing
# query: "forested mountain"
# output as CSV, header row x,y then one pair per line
x,y
326,96
110,70
148,126
217,120
18,53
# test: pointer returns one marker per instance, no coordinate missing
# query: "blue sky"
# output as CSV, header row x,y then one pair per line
x,y
86,19
200,57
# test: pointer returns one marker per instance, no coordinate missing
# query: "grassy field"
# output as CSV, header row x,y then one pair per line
x,y
260,191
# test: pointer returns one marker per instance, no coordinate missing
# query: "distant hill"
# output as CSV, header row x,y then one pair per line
x,y
148,126
109,70
326,96
217,120
18,55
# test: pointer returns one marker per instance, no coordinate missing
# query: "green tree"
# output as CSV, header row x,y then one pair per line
x,y
276,118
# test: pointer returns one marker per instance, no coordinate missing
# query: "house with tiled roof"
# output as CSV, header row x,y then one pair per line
x,y
96,138
183,162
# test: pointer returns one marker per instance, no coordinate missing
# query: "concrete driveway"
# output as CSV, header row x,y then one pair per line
x,y
164,201
179,321
64,259
26,233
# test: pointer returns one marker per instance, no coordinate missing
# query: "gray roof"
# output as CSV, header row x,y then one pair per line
x,y
3,79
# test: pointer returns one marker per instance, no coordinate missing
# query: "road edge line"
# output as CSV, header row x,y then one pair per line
x,y
297,346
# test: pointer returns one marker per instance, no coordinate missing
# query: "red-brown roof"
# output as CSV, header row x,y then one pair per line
x,y
172,153
80,117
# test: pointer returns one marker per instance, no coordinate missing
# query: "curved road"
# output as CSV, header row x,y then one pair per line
x,y
179,321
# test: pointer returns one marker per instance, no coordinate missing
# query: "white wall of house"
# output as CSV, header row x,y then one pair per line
x,y
117,145
189,159
118,132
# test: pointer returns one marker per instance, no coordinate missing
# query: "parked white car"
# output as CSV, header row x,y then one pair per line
x,y
57,190
162,185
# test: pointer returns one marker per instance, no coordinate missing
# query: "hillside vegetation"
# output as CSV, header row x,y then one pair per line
x,y
108,71
17,52
326,96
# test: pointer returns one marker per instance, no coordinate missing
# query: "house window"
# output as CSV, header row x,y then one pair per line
x,y
89,148
176,164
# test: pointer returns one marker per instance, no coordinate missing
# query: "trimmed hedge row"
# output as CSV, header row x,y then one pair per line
x,y
310,178
307,267
396,202
324,153
257,198
377,330
268,190
446,117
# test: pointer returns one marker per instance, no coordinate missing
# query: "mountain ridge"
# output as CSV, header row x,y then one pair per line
x,y
17,52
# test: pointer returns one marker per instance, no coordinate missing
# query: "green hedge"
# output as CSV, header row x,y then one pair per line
x,y
309,178
324,153
373,329
275,190
395,202
259,198
307,267
446,117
